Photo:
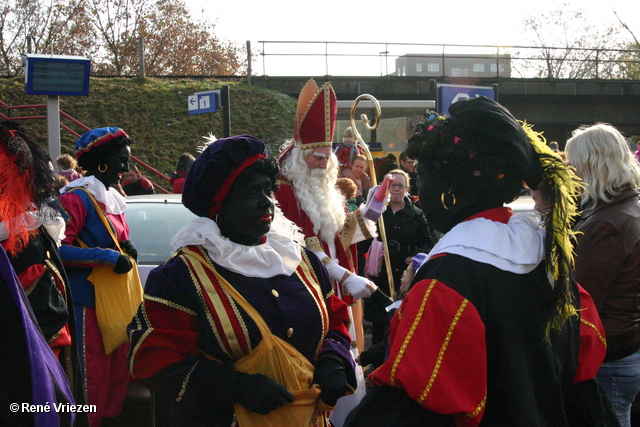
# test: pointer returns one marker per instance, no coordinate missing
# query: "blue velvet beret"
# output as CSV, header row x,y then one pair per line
x,y
95,137
213,172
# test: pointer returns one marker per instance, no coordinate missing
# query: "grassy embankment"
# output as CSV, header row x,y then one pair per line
x,y
154,114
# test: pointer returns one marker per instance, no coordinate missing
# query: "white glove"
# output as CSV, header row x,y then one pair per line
x,y
336,272
359,286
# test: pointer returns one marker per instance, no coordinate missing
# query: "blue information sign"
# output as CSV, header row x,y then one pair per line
x,y
203,102
448,94
56,75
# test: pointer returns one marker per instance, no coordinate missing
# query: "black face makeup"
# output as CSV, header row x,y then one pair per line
x,y
247,211
116,166
430,192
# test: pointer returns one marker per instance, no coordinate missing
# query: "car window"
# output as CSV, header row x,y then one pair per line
x,y
152,225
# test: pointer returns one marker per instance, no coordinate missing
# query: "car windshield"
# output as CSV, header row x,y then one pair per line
x,y
152,225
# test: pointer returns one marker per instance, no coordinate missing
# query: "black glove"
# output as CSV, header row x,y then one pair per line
x,y
256,392
374,355
331,377
123,265
127,247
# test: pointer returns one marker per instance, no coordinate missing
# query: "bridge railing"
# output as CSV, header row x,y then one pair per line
x,y
9,115
288,58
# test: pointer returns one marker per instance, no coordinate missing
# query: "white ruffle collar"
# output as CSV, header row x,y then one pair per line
x,y
278,255
517,246
113,201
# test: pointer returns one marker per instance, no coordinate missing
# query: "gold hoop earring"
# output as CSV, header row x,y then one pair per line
x,y
100,168
444,202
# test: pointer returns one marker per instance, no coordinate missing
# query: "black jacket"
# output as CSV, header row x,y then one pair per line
x,y
407,234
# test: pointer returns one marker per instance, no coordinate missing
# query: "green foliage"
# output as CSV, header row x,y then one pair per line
x,y
631,62
154,114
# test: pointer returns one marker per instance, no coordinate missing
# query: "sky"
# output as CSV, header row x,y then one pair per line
x,y
410,22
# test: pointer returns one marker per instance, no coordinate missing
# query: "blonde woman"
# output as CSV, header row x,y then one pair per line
x,y
608,253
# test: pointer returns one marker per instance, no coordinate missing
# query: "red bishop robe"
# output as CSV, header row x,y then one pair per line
x,y
346,251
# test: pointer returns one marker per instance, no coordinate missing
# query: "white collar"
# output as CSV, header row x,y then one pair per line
x,y
517,246
278,255
113,201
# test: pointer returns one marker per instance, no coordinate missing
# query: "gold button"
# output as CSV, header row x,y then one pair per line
x,y
48,255
289,332
275,293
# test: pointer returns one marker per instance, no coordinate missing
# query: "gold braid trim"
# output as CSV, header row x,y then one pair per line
x,y
480,407
315,145
443,349
412,330
602,339
349,229
169,304
185,382
363,226
313,244
142,311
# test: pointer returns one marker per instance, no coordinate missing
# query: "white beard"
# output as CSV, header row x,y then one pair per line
x,y
317,195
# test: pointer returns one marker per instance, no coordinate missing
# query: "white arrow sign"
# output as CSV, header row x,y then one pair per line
x,y
193,102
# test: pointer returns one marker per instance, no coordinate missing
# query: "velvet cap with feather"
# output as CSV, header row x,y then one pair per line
x,y
95,138
213,172
499,133
491,129
26,185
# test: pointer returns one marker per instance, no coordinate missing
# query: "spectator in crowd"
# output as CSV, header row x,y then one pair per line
x,y
358,174
59,182
67,167
348,149
407,234
608,253
182,167
348,188
308,197
100,263
493,331
238,285
136,184
408,165
33,290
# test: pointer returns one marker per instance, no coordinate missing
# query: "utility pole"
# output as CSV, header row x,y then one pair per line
x,y
248,62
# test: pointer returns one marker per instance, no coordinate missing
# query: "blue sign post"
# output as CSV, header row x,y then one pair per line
x,y
55,75
448,94
204,102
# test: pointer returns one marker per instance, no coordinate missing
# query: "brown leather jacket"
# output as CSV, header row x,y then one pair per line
x,y
608,267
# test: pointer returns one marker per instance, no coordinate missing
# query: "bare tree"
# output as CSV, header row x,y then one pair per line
x,y
116,23
570,46
107,31
631,60
177,44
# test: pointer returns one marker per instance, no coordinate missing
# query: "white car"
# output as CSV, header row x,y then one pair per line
x,y
153,221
